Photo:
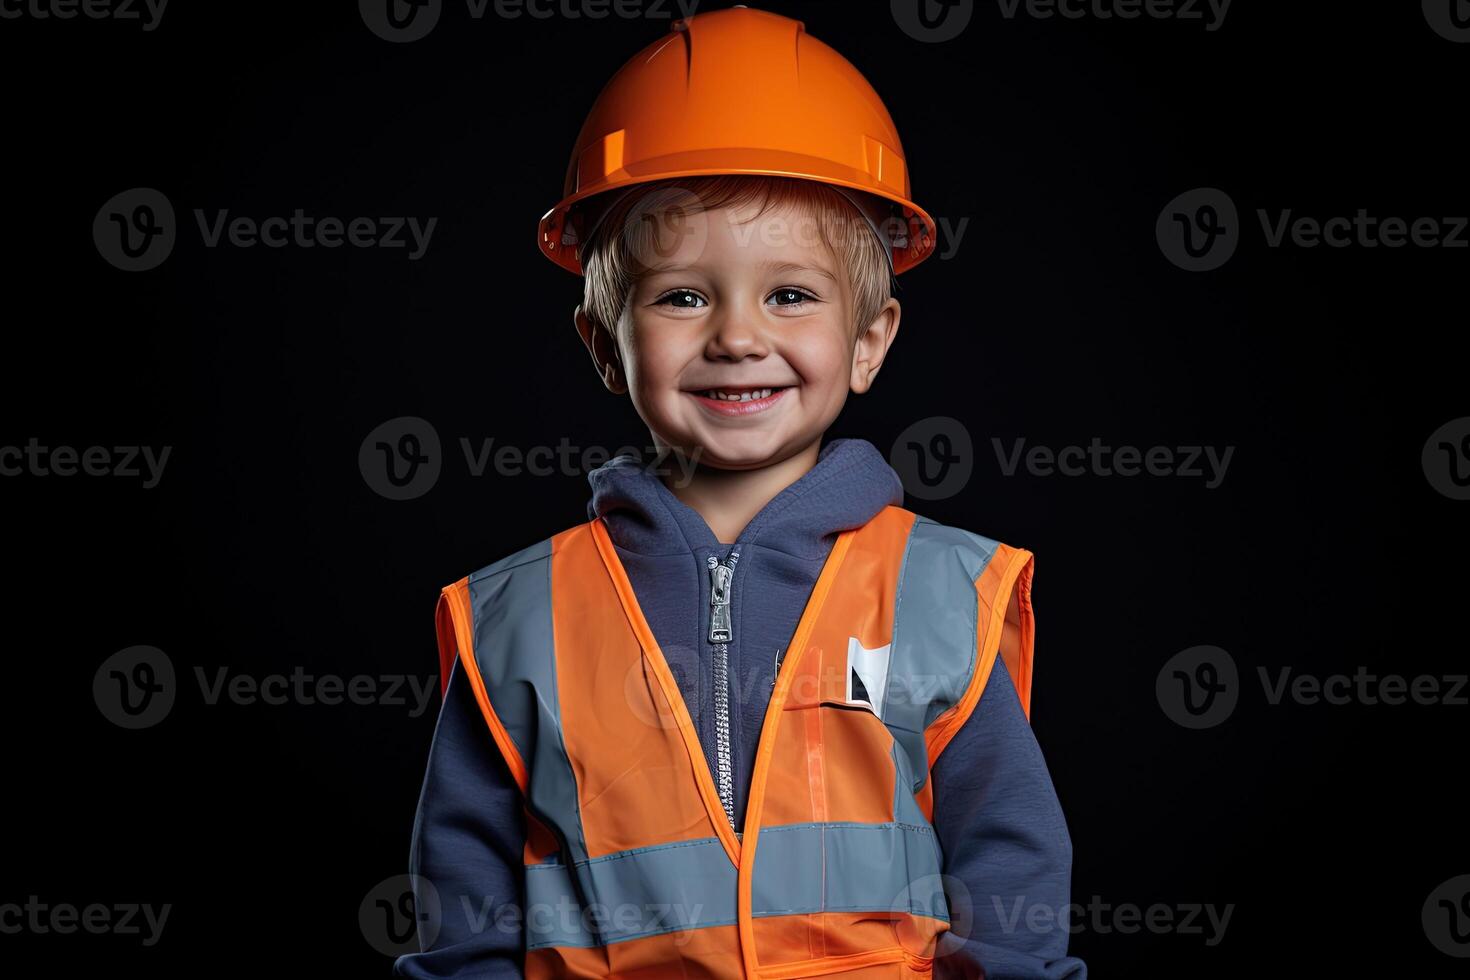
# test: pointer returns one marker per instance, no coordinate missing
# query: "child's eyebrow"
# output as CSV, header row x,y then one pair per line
x,y
775,266
770,265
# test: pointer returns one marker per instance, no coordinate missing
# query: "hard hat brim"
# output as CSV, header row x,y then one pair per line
x,y
762,163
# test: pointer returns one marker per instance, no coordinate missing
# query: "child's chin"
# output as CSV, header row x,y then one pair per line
x,y
747,454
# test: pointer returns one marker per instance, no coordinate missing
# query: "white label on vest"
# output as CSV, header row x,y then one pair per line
x,y
867,674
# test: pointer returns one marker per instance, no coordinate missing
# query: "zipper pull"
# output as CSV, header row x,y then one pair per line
x,y
720,630
719,601
777,672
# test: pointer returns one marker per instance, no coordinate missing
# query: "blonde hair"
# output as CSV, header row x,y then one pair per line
x,y
613,258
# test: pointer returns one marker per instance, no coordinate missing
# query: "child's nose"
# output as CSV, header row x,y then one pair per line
x,y
736,332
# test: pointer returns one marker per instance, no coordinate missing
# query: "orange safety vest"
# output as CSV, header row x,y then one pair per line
x,y
632,868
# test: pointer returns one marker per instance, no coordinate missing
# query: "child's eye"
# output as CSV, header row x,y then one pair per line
x,y
791,296
680,299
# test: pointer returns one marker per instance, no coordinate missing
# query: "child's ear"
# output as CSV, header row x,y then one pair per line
x,y
872,346
604,350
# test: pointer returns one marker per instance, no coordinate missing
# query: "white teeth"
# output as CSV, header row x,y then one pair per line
x,y
743,396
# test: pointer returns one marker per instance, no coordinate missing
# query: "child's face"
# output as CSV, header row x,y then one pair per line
x,y
730,305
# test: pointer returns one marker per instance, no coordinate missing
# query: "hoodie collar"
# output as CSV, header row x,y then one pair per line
x,y
850,483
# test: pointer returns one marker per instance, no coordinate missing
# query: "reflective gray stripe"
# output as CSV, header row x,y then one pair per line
x,y
842,867
799,868
511,604
934,633
631,894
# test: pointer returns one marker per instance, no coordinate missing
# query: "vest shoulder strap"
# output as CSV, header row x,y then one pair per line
x,y
473,610
964,601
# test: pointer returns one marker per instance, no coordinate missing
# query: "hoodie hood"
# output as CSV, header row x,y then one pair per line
x,y
850,483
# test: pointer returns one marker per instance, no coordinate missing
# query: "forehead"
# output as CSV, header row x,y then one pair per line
x,y
779,237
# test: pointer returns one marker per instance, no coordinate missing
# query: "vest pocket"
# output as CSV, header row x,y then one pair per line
x,y
857,752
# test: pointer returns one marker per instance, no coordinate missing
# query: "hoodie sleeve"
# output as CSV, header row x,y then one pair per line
x,y
1006,851
468,842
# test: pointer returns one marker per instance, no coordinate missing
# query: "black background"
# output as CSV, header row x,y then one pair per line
x,y
1057,320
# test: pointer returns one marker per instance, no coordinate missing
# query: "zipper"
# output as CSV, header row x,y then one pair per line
x,y
721,633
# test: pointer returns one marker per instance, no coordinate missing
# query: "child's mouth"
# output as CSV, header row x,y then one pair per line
x,y
741,400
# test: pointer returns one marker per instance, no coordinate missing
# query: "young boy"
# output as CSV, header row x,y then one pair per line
x,y
762,721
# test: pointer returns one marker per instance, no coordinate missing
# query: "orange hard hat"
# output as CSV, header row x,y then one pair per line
x,y
741,91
